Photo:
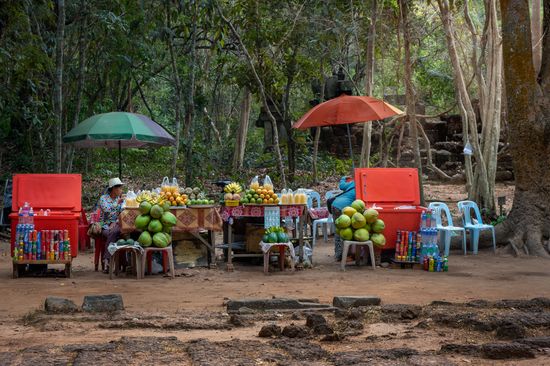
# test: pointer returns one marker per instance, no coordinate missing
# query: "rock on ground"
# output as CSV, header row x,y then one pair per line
x,y
270,330
313,320
355,301
59,305
103,303
295,331
503,351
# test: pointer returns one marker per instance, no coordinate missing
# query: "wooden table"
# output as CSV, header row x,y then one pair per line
x,y
66,262
188,219
229,213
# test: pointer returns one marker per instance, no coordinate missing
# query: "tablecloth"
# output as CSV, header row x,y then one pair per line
x,y
318,213
258,211
267,246
187,219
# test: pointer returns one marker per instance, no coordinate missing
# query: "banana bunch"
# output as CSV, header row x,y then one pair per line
x,y
275,229
143,196
151,197
233,187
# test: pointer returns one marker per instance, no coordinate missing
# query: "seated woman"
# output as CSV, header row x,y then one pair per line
x,y
346,198
110,206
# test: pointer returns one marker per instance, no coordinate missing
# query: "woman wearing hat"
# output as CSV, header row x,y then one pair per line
x,y
110,206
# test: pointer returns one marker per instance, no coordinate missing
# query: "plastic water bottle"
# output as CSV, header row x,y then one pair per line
x,y
31,216
423,219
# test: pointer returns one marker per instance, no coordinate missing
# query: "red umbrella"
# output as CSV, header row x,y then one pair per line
x,y
346,109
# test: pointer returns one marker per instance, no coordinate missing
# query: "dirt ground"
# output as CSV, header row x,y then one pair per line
x,y
185,320
195,300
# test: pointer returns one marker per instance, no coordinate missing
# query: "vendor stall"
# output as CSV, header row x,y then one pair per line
x,y
46,209
294,211
188,219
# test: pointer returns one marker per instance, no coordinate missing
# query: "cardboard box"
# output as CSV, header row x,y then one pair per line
x,y
254,235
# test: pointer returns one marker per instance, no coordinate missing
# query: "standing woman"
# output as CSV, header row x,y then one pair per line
x,y
110,206
346,198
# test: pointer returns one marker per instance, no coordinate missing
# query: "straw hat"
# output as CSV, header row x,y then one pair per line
x,y
115,182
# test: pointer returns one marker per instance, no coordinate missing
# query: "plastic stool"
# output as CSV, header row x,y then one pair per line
x,y
348,243
99,251
282,248
137,261
165,251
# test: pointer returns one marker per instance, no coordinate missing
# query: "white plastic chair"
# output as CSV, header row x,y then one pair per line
x,y
326,222
438,209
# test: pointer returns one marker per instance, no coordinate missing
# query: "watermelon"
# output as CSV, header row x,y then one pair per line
x,y
145,239
282,238
265,238
144,207
272,238
160,240
156,212
142,221
168,219
154,226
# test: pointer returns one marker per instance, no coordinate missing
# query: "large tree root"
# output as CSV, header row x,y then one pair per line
x,y
531,240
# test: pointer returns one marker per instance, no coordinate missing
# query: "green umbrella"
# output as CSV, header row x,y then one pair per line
x,y
118,130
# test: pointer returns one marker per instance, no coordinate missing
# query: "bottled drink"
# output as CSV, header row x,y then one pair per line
x,y
446,264
429,218
423,218
31,216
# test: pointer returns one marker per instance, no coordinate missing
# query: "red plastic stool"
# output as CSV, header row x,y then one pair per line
x,y
167,259
99,251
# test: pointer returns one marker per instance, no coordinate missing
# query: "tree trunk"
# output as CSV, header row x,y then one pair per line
x,y
528,110
369,85
536,34
80,84
488,74
315,154
469,123
190,105
242,132
262,95
410,93
178,87
58,83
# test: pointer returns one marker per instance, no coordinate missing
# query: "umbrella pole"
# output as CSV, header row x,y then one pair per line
x,y
350,149
119,159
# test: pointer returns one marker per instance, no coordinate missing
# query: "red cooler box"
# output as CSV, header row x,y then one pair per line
x,y
396,194
61,193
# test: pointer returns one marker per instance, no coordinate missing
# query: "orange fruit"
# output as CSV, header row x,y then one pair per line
x,y
270,200
265,201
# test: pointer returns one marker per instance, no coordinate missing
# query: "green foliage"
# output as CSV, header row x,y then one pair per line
x,y
127,67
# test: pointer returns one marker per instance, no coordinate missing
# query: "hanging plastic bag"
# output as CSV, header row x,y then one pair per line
x,y
289,197
267,183
175,187
468,149
255,183
164,187
130,200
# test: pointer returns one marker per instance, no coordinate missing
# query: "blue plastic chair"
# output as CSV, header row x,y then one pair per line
x,y
311,196
324,222
438,209
465,208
